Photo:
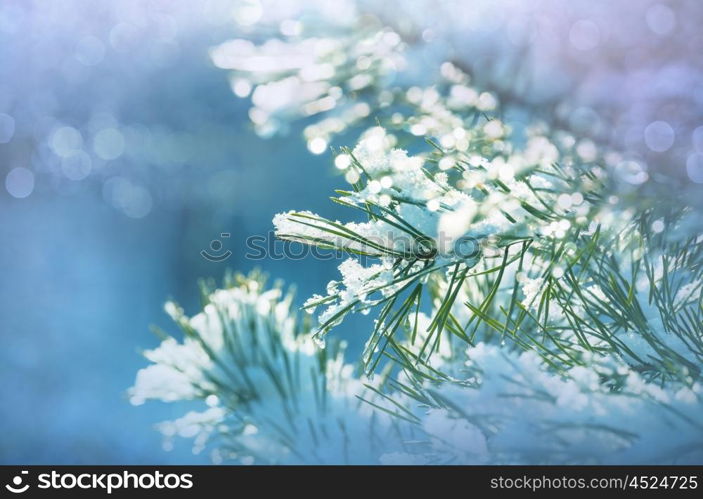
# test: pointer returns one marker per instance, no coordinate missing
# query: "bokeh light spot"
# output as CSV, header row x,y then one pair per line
x,y
108,144
66,141
248,12
698,139
659,136
318,145
130,198
694,167
7,128
76,166
632,172
661,19
20,182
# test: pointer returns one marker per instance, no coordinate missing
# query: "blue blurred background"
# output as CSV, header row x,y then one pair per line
x,y
123,154
135,157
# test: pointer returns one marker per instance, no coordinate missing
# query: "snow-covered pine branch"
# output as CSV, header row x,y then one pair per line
x,y
268,394
527,308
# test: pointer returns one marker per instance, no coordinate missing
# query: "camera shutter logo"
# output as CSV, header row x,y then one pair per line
x,y
216,246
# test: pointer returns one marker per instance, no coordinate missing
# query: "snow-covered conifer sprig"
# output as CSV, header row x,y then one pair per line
x,y
463,213
510,409
270,395
333,73
346,76
525,315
